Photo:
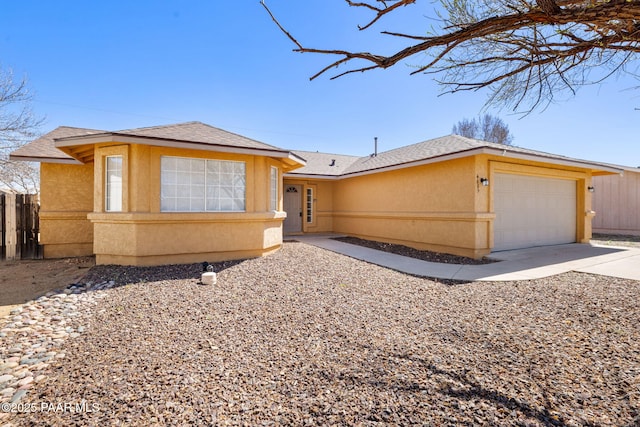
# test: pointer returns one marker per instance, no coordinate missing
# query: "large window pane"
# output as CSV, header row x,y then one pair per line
x,y
195,185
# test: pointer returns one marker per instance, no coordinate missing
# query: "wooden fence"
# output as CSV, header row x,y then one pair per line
x,y
19,227
616,201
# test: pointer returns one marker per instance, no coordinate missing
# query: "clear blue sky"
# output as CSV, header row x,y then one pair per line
x,y
123,64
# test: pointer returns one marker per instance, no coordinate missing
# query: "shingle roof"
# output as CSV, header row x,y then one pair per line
x,y
196,132
427,150
44,147
324,163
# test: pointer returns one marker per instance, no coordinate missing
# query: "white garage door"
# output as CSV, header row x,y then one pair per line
x,y
532,211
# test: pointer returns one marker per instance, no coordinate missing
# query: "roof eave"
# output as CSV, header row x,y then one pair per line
x,y
600,168
292,162
42,159
413,163
173,143
554,160
312,176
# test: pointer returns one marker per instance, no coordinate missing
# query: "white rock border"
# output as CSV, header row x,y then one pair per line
x,y
34,333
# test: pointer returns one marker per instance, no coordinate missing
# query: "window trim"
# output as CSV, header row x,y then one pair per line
x,y
204,172
308,207
273,188
108,193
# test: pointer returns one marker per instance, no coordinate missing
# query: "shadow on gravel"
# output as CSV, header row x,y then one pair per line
x,y
471,390
451,385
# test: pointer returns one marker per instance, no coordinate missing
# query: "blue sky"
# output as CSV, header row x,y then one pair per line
x,y
125,64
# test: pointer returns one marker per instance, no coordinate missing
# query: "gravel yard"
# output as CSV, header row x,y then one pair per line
x,y
310,337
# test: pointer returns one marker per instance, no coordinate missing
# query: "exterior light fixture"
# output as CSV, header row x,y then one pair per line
x,y
484,182
591,189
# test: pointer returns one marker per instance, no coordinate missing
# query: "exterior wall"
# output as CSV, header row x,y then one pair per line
x,y
432,207
440,206
143,235
322,204
617,203
175,238
66,197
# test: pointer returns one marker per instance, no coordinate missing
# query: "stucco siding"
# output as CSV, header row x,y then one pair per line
x,y
439,187
144,235
440,206
426,207
66,197
616,201
169,238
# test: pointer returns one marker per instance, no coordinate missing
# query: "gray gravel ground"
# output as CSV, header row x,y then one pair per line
x,y
310,337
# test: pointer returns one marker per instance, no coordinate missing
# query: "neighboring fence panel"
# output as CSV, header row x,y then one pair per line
x,y
28,227
20,225
616,201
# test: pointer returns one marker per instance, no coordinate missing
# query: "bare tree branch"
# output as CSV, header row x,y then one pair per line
x,y
18,125
523,50
380,12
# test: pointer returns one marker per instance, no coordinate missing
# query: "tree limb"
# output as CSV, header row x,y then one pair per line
x,y
554,42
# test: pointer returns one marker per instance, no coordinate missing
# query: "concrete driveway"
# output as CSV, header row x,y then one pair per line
x,y
521,264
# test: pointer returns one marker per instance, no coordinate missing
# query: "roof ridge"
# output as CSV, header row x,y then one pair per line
x,y
329,154
157,126
75,127
415,144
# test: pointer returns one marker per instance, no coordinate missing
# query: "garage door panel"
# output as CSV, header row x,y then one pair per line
x,y
533,211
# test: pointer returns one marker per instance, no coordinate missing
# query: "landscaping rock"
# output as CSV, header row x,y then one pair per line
x,y
310,337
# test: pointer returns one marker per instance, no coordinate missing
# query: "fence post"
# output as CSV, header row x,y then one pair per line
x,y
11,232
3,243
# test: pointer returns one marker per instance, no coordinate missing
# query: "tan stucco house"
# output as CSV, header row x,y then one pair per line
x,y
168,194
191,192
616,198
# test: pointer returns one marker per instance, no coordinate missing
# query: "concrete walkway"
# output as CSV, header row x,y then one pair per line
x,y
521,264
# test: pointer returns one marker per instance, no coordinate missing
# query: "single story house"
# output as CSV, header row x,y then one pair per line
x,y
616,198
191,192
168,194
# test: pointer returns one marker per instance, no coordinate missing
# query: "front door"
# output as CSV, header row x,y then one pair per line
x,y
293,208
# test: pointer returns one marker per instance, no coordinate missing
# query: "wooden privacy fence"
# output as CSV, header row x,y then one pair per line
x,y
19,227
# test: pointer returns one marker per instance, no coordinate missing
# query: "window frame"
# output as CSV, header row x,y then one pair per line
x,y
109,196
202,177
273,188
308,207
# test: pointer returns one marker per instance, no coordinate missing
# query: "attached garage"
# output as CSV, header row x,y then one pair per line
x,y
533,211
451,194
